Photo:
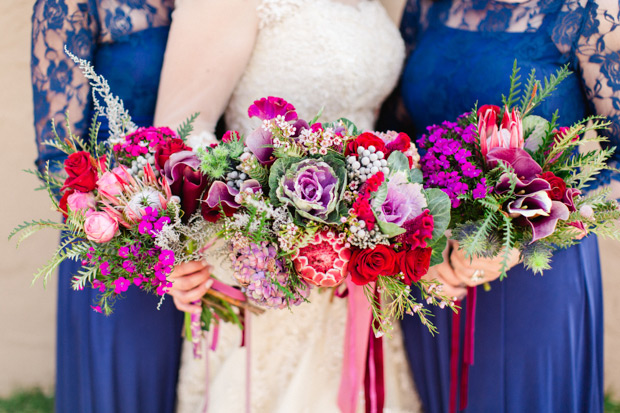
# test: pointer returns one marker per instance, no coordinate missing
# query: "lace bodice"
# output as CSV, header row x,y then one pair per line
x,y
86,27
348,56
471,44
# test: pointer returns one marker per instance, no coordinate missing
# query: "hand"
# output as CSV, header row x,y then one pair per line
x,y
190,281
476,271
452,286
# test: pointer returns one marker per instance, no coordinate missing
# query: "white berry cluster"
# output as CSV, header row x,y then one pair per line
x,y
364,238
234,179
138,164
368,162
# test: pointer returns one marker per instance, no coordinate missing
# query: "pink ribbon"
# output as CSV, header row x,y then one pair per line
x,y
468,351
373,379
359,317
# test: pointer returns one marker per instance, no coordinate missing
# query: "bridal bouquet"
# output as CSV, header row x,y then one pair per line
x,y
123,200
515,179
311,204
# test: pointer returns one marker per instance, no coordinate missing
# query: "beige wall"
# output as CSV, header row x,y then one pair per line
x,y
27,313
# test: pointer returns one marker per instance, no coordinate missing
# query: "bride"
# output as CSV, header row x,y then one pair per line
x,y
341,55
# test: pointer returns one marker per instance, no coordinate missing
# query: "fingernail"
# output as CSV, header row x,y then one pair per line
x,y
209,283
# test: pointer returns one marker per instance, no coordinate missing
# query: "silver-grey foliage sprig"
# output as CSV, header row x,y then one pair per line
x,y
119,120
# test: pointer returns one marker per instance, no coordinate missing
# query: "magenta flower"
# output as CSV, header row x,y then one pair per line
x,y
272,107
97,309
104,267
166,257
98,285
129,266
121,285
123,252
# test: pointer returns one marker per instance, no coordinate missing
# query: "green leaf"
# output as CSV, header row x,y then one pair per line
x,y
397,161
317,116
278,169
439,206
379,197
438,247
415,176
350,126
389,229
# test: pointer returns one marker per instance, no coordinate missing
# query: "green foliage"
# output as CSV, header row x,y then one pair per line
x,y
390,229
438,204
26,229
27,401
537,257
379,197
350,127
438,247
397,161
187,126
538,92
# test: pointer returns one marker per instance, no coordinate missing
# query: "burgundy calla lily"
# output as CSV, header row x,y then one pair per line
x,y
185,180
543,226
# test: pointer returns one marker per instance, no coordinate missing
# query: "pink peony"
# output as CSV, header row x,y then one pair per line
x,y
323,262
509,134
80,201
100,227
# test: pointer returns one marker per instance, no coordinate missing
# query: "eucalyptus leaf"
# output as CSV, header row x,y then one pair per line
x,y
439,206
438,247
415,176
389,229
379,196
397,161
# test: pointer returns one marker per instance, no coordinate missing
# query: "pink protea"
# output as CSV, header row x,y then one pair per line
x,y
509,134
323,262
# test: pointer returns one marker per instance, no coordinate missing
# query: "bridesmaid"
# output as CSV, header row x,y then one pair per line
x,y
538,340
127,362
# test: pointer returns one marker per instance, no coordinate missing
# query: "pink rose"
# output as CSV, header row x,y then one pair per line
x,y
109,182
79,201
100,227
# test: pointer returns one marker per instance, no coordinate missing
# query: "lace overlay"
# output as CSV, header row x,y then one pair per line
x,y
584,34
313,53
317,49
84,26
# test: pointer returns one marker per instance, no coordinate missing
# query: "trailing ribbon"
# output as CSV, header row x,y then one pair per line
x,y
374,386
357,357
468,351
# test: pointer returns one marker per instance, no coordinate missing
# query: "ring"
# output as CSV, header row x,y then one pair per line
x,y
477,276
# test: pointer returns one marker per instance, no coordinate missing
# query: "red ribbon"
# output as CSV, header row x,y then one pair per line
x,y
468,351
374,384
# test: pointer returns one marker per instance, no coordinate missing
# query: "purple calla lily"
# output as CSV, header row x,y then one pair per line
x,y
260,143
219,197
525,167
543,226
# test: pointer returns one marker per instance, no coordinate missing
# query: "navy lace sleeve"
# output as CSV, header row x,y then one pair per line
x,y
58,86
409,23
598,52
592,28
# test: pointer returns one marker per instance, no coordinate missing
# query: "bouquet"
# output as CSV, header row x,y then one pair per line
x,y
516,180
313,205
123,200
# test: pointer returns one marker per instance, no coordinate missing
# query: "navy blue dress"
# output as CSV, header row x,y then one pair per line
x,y
538,339
129,361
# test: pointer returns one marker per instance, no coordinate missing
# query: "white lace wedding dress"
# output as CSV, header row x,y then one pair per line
x,y
315,54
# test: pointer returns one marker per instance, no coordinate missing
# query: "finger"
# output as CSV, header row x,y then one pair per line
x,y
188,268
187,307
188,282
447,273
194,294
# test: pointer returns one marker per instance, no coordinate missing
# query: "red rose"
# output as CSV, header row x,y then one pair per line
x,y
558,186
414,264
418,230
368,264
62,204
167,148
80,167
365,140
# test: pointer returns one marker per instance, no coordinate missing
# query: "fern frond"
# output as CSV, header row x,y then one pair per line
x,y
530,87
187,126
515,87
26,229
549,86
59,256
508,244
